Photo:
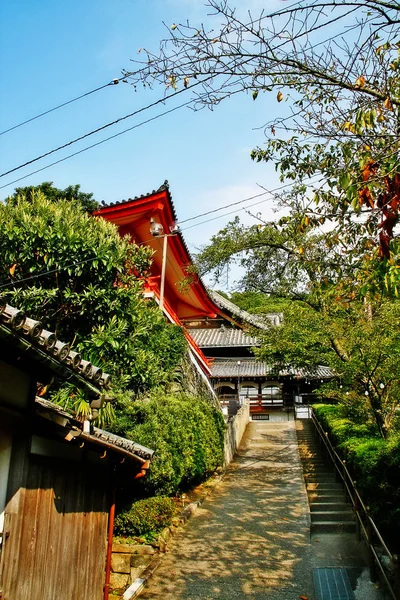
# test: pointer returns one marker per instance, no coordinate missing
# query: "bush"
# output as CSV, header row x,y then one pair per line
x,y
373,462
186,432
145,516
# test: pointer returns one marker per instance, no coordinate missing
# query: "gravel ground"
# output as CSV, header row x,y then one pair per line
x,y
250,539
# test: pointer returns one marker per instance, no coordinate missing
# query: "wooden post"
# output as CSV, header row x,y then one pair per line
x,y
163,267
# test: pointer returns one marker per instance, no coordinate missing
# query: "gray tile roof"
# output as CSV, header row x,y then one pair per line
x,y
262,322
224,368
222,337
97,436
31,334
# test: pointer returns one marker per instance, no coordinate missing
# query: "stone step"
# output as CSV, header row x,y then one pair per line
x,y
322,486
327,498
330,506
320,477
328,516
332,527
310,469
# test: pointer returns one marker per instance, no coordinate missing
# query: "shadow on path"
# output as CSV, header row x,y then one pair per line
x,y
250,539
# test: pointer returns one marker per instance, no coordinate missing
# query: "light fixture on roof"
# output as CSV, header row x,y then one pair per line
x,y
156,229
174,228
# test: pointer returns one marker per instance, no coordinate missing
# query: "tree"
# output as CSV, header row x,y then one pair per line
x,y
298,272
71,192
79,278
341,122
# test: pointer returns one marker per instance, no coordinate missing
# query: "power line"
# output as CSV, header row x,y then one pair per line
x,y
161,100
76,263
46,112
82,137
164,99
97,143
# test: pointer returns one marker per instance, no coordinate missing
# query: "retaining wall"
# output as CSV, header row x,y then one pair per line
x,y
235,429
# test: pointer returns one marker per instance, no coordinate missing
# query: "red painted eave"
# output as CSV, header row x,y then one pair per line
x,y
132,217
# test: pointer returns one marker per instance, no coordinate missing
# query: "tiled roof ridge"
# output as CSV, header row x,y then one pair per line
x,y
251,367
124,443
31,330
100,435
163,188
222,336
254,320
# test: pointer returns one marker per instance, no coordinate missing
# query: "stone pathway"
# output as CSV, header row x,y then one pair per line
x,y
251,538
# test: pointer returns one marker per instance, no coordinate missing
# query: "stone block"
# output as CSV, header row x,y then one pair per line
x,y
119,581
140,560
136,572
124,548
121,563
166,534
142,549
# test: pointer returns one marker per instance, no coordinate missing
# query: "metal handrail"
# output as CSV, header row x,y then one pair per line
x,y
358,504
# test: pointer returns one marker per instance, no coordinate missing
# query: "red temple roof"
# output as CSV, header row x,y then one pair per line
x,y
184,291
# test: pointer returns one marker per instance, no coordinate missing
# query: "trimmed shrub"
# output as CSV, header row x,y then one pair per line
x,y
373,462
186,432
145,516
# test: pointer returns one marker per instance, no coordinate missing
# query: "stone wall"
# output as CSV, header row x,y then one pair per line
x,y
235,429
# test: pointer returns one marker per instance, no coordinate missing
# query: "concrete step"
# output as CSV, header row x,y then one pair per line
x,y
320,478
330,506
335,516
332,527
322,486
326,498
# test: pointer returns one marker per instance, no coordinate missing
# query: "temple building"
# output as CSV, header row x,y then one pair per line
x,y
217,330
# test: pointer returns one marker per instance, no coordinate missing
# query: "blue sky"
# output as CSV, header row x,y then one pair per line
x,y
53,51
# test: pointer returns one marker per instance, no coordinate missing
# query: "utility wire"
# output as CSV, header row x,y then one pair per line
x,y
73,264
97,143
164,99
46,112
82,137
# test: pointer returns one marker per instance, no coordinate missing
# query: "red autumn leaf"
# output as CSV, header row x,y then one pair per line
x,y
369,170
365,197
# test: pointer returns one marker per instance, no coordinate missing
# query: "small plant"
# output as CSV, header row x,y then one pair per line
x,y
145,517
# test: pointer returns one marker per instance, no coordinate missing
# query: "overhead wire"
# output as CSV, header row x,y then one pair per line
x,y
46,112
97,144
77,263
98,129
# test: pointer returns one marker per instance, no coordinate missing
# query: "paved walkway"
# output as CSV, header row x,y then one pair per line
x,y
250,539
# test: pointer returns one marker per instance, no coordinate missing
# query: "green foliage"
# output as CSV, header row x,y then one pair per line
x,y
70,193
144,517
257,302
373,462
186,432
75,274
359,344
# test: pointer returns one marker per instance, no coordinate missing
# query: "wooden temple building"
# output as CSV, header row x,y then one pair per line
x,y
215,328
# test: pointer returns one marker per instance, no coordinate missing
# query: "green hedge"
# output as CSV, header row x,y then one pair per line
x,y
145,516
373,462
186,432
